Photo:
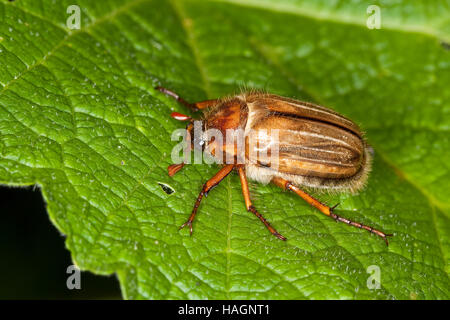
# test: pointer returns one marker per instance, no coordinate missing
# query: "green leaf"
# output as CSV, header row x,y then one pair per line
x,y
79,117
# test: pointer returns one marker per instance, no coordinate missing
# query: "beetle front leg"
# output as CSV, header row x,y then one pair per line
x,y
193,106
251,208
174,168
285,184
211,183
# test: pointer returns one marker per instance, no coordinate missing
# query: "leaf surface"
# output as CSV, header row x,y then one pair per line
x,y
80,118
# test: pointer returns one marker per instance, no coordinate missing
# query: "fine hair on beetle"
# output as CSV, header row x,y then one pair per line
x,y
268,138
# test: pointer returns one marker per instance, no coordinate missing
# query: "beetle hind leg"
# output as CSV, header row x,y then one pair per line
x,y
251,208
328,211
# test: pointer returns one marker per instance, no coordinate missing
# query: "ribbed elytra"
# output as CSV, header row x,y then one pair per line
x,y
315,147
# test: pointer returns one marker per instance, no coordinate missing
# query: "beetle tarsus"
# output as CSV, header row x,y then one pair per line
x,y
271,229
279,236
328,211
361,226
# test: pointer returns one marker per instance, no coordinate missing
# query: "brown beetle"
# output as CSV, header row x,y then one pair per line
x,y
316,148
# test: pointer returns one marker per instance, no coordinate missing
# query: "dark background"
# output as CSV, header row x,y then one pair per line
x,y
33,257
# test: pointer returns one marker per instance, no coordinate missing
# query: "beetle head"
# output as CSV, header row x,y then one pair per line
x,y
194,137
194,130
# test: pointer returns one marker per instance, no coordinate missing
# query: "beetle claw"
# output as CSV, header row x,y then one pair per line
x,y
279,236
386,239
187,223
333,207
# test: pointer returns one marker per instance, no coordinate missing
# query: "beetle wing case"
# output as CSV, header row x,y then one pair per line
x,y
317,147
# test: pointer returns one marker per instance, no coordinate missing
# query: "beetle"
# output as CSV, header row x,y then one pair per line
x,y
318,149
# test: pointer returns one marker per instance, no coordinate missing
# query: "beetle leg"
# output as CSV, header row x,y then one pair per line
x,y
174,168
211,183
284,184
249,205
193,106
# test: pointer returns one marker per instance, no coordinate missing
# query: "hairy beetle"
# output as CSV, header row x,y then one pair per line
x,y
316,148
